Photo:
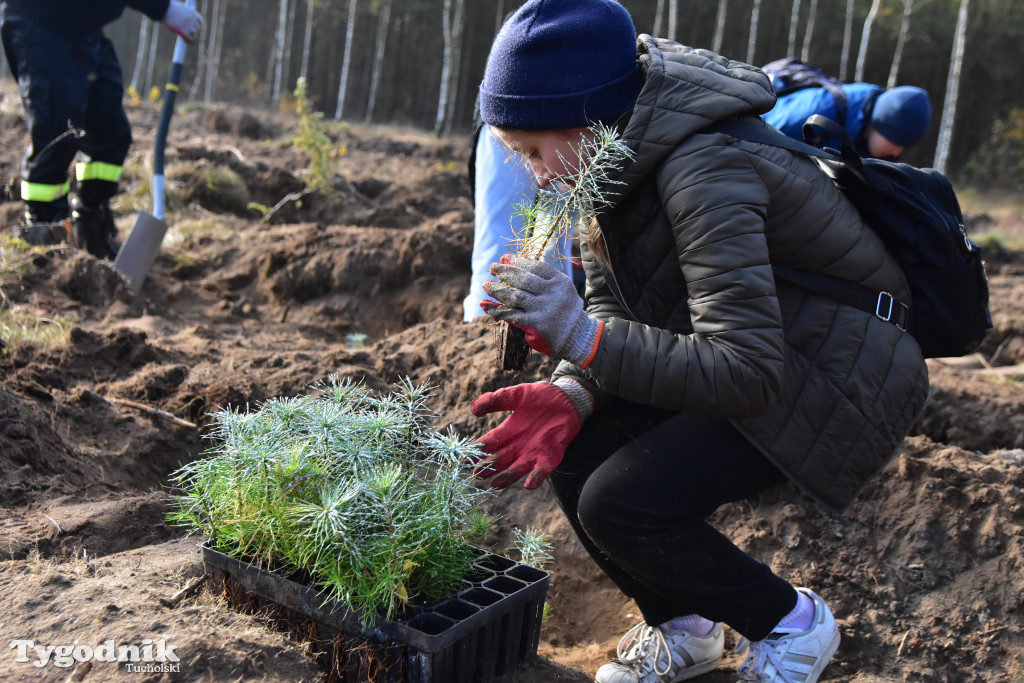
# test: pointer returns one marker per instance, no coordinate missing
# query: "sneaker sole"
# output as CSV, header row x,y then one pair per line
x,y
825,658
696,670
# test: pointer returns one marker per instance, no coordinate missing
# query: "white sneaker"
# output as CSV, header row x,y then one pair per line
x,y
648,654
791,656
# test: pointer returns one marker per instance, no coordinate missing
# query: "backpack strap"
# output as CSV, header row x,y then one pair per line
x,y
818,127
471,164
839,95
754,129
883,305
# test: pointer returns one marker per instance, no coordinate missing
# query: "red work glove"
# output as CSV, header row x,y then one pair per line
x,y
532,439
540,300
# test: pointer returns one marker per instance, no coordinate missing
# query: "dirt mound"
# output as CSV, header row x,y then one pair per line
x,y
924,571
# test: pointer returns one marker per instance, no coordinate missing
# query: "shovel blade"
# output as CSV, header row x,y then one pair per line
x,y
139,250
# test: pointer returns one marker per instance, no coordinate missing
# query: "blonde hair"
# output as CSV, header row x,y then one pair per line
x,y
595,241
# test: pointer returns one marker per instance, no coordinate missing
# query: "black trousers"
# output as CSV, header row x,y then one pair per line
x,y
637,485
62,81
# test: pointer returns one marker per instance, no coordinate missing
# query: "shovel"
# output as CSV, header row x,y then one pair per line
x,y
140,248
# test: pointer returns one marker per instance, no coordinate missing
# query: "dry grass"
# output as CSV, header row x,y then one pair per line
x,y
999,242
1006,209
20,325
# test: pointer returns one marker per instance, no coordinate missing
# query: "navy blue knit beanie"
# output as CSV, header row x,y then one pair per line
x,y
561,64
902,115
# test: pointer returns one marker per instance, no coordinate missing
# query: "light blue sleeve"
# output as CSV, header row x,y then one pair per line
x,y
503,180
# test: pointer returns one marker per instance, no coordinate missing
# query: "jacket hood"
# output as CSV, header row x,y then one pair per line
x,y
685,89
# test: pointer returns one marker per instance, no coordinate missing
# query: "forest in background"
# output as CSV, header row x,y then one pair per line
x,y
419,62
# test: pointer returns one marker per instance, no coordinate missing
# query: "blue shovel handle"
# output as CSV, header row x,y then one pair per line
x,y
170,94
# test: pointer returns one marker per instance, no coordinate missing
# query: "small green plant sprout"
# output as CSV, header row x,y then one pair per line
x,y
312,139
534,547
355,340
345,489
577,198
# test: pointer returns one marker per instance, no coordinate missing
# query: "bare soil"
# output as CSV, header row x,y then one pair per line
x,y
925,572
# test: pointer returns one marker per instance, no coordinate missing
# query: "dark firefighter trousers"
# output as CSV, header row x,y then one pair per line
x,y
66,83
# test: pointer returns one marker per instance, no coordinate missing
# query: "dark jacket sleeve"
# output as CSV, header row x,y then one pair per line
x,y
600,304
154,9
75,19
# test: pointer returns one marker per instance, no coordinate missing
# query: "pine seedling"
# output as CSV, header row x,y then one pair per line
x,y
349,488
312,139
535,550
533,546
579,197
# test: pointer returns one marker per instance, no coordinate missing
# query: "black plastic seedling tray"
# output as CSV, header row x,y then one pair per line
x,y
490,627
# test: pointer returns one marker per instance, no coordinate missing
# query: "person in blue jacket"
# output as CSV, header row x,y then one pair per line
x,y
882,123
71,89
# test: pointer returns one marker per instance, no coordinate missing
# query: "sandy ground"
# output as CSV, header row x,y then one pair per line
x,y
924,572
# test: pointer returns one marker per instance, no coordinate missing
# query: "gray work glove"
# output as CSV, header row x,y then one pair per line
x,y
543,302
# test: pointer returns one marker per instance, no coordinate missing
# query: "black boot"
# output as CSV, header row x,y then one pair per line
x,y
45,223
94,229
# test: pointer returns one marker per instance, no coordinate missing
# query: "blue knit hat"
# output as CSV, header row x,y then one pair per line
x,y
902,115
561,64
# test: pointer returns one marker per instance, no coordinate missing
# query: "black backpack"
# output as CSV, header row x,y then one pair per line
x,y
916,214
790,74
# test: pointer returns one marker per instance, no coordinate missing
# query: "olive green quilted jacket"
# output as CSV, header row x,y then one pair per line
x,y
695,319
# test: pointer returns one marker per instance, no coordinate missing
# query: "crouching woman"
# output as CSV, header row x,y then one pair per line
x,y
692,376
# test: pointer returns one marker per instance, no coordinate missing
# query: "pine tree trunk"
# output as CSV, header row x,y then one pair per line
x,y
216,45
812,16
211,40
499,16
154,41
865,38
346,61
453,89
656,30
201,41
268,76
844,59
289,30
140,54
716,42
673,15
755,16
794,24
897,57
282,28
307,38
446,65
952,90
383,24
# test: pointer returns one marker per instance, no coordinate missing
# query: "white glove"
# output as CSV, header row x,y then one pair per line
x,y
183,20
